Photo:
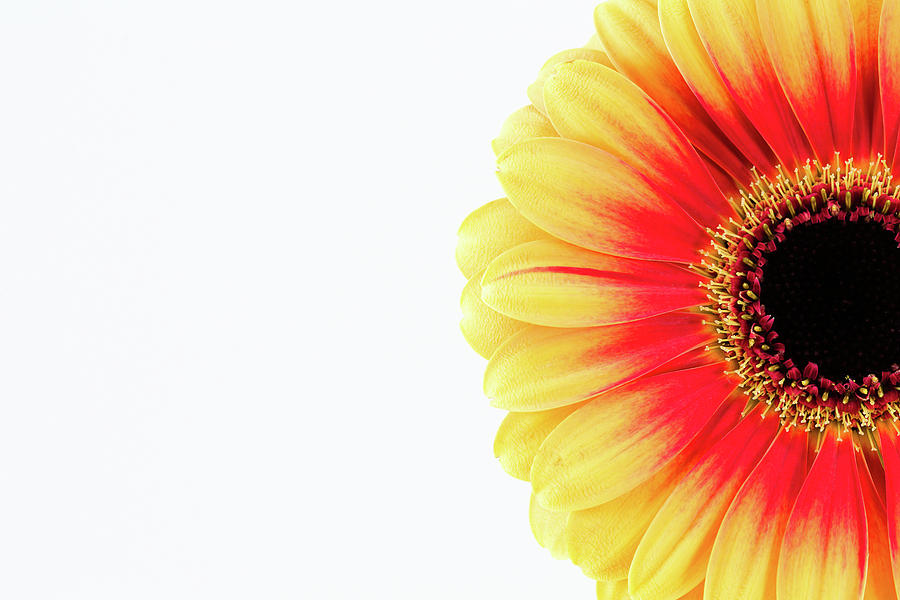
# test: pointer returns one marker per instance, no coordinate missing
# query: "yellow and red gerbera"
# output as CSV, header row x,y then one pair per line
x,y
687,300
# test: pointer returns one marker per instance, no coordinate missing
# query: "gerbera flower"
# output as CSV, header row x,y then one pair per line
x,y
690,300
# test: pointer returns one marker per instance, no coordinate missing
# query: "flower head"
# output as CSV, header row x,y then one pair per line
x,y
690,300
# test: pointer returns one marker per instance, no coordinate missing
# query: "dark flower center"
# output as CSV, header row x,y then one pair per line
x,y
805,290
833,289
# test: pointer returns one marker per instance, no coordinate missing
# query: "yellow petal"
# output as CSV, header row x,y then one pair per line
x,y
524,124
612,590
483,327
631,35
522,433
620,439
549,528
598,106
541,368
594,43
535,90
488,232
552,283
592,199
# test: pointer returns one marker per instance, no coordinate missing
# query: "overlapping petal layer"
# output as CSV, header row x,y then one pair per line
x,y
488,232
630,33
549,528
593,104
522,433
592,199
731,33
690,56
620,439
536,89
602,540
526,123
672,556
484,328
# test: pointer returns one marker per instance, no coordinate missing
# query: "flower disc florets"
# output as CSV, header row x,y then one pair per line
x,y
827,346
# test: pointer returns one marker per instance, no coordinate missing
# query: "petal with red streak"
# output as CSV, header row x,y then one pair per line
x,y
880,576
541,368
868,129
631,34
590,198
620,439
812,51
825,546
889,75
889,444
488,232
559,285
602,540
755,522
690,56
673,555
730,32
596,105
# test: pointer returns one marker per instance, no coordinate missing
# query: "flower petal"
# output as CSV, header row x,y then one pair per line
x,y
524,124
672,556
690,56
889,75
602,540
612,590
536,89
731,34
868,129
889,445
555,284
811,46
590,198
548,528
488,232
542,368
823,555
755,522
483,327
622,438
880,576
596,105
631,34
522,433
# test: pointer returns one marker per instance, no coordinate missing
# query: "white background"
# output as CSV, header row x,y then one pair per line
x,y
230,364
